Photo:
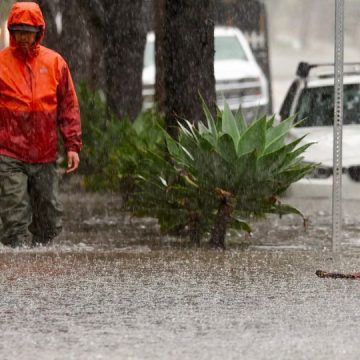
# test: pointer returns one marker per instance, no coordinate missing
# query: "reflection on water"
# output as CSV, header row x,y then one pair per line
x,y
112,288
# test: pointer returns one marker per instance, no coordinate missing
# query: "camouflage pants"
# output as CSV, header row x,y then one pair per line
x,y
30,210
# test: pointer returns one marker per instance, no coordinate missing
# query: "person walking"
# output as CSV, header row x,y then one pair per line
x,y
37,101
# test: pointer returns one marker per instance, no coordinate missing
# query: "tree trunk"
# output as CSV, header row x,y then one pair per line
x,y
159,16
105,36
188,60
96,63
222,219
94,17
125,42
77,50
49,11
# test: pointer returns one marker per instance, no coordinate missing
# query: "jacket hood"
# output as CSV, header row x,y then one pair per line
x,y
28,13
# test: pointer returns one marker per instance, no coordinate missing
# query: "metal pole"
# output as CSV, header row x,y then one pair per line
x,y
338,123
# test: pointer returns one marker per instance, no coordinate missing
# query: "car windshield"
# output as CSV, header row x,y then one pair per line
x,y
226,48
316,106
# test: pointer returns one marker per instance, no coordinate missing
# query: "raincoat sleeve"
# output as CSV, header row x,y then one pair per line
x,y
68,112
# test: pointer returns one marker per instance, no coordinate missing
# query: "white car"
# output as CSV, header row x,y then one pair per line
x,y
238,77
311,97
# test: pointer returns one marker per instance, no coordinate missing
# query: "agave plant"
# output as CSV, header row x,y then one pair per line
x,y
237,169
218,174
168,194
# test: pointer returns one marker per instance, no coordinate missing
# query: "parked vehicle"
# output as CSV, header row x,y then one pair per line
x,y
239,79
311,98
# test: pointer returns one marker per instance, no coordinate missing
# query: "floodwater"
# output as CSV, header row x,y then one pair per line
x,y
112,288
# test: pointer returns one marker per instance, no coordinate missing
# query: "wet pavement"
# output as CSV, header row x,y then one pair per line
x,y
112,288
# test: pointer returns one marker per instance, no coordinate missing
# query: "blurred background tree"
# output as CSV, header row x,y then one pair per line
x,y
100,47
103,42
185,45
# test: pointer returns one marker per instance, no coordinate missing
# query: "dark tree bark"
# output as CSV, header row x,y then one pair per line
x,y
188,60
75,40
94,17
159,16
125,42
102,36
72,42
52,37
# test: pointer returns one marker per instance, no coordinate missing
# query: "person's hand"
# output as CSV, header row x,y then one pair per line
x,y
73,161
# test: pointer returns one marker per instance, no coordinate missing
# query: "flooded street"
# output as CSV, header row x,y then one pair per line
x,y
112,288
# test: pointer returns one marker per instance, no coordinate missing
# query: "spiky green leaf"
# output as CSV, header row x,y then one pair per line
x,y
210,119
254,138
275,136
230,126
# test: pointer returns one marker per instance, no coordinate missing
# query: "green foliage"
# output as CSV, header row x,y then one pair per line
x,y
223,160
114,147
184,182
167,192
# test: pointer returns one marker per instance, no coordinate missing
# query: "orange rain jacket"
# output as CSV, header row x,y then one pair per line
x,y
37,96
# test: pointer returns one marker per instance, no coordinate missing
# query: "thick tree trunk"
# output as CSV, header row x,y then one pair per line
x,y
125,42
103,36
52,37
75,48
94,17
96,62
73,42
160,93
73,39
188,60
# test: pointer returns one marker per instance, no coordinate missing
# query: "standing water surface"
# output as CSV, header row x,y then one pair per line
x,y
112,288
